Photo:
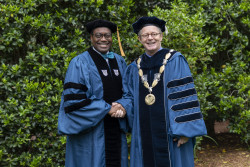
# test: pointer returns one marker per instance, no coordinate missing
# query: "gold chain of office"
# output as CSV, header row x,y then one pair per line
x,y
150,98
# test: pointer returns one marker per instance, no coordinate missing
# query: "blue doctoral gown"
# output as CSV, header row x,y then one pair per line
x,y
82,119
182,111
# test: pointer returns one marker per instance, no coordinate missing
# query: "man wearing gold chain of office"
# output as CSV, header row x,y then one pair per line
x,y
161,102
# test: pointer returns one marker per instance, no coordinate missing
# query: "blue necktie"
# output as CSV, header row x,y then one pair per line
x,y
109,55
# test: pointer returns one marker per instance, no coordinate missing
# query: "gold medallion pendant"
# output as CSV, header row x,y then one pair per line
x,y
150,99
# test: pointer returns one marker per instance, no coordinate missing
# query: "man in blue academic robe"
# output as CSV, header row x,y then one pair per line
x,y
93,81
161,102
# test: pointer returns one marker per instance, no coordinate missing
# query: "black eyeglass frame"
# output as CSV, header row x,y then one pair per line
x,y
100,35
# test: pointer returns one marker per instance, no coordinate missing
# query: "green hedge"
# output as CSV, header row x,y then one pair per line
x,y
40,37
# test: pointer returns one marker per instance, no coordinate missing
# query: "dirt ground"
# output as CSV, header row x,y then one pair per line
x,y
229,152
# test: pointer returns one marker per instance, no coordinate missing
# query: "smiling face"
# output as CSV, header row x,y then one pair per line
x,y
101,39
150,37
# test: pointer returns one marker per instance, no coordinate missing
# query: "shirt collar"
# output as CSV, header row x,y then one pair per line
x,y
156,52
98,51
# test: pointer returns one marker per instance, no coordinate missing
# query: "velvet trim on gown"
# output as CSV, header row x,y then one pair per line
x,y
152,117
112,88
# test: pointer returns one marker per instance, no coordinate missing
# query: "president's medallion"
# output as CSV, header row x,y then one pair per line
x,y
150,99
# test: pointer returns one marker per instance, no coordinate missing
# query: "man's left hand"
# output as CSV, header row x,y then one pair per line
x,y
181,141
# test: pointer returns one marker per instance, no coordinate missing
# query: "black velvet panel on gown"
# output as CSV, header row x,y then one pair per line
x,y
112,88
152,117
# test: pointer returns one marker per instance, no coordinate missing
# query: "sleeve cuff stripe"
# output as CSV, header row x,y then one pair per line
x,y
182,94
189,117
180,82
184,106
75,86
77,106
74,97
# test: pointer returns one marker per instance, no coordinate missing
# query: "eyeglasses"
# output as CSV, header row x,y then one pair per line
x,y
100,36
153,35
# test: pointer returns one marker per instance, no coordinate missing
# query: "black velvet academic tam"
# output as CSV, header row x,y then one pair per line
x,y
101,23
144,21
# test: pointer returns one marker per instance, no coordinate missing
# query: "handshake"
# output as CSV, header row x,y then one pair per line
x,y
117,111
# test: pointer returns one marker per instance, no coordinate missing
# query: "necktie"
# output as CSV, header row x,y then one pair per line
x,y
109,55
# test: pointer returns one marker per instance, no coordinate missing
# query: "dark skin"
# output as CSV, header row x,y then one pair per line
x,y
117,113
103,45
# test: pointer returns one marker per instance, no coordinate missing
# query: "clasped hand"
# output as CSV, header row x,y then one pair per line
x,y
117,111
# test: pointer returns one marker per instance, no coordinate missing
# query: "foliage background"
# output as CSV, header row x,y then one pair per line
x,y
40,37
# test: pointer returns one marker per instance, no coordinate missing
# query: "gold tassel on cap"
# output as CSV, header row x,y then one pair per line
x,y
119,41
166,30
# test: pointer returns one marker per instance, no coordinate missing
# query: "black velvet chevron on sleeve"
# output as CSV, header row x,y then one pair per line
x,y
182,94
77,106
180,82
189,117
74,97
184,106
75,86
